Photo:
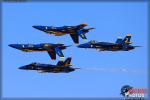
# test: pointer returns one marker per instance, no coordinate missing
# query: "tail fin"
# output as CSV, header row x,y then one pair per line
x,y
67,62
119,40
60,63
81,25
127,39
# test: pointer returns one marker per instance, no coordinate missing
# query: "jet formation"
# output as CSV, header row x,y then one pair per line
x,y
60,67
51,49
73,31
119,45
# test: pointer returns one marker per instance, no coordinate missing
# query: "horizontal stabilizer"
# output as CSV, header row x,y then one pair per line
x,y
83,36
59,52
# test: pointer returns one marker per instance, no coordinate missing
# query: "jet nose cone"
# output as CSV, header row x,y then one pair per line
x,y
35,27
23,67
13,45
10,45
39,27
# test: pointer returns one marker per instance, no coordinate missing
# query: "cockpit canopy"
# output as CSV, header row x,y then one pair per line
x,y
34,64
93,41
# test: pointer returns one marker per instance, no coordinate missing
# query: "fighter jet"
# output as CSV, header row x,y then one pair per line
x,y
74,31
120,45
61,67
52,49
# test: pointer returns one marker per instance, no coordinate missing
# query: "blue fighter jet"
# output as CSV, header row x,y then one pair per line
x,y
52,49
74,31
120,45
61,67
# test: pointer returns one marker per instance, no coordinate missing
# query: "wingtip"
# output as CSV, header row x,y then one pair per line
x,y
129,34
76,43
53,59
119,37
62,57
85,40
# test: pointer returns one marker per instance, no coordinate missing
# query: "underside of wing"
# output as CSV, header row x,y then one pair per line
x,y
52,54
59,34
56,33
75,38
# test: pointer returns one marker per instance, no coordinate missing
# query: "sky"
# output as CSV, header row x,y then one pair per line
x,y
102,74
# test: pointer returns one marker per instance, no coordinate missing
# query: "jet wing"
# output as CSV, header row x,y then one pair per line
x,y
52,54
56,33
75,38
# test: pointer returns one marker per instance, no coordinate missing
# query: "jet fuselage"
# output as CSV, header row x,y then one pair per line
x,y
47,68
52,49
37,47
62,30
106,46
73,31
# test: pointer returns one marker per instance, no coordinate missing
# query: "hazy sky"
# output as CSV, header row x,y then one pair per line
x,y
102,74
